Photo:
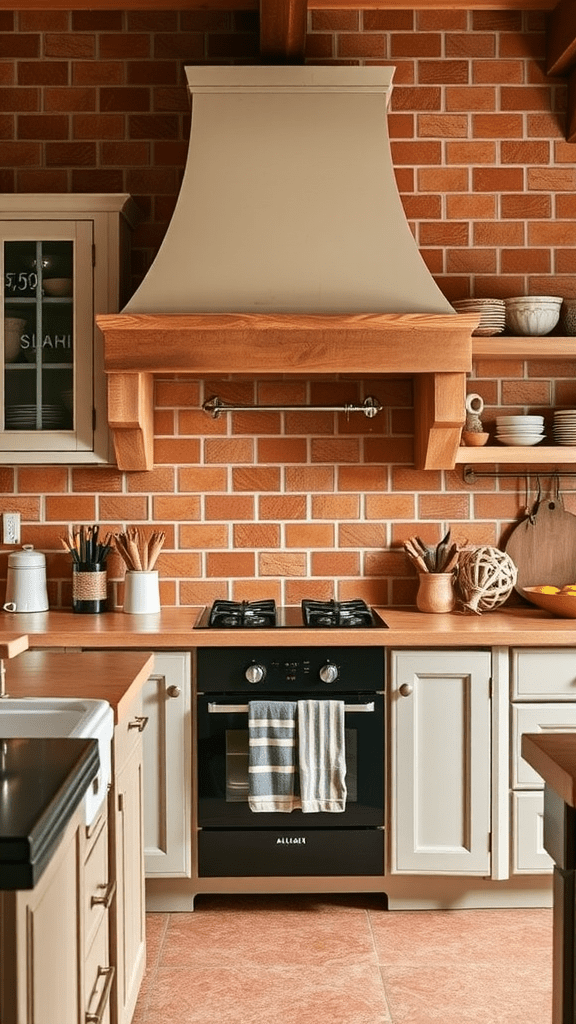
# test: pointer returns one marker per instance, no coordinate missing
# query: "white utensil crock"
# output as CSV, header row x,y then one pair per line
x,y
26,581
141,592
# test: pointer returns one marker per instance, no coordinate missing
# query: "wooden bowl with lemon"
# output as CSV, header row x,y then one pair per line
x,y
560,601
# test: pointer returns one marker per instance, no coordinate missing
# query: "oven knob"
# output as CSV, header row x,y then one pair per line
x,y
328,672
255,673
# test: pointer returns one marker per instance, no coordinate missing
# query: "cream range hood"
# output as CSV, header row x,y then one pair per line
x,y
288,253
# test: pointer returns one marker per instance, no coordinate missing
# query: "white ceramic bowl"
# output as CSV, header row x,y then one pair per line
x,y
533,315
520,440
519,420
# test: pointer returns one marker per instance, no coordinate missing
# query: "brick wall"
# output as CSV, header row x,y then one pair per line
x,y
291,505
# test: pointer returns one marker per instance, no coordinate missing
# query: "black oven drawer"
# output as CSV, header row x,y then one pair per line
x,y
275,852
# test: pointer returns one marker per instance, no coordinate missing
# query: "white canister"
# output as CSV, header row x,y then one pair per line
x,y
26,589
141,592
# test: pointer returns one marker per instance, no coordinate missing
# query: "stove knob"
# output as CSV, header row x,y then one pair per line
x,y
255,673
328,673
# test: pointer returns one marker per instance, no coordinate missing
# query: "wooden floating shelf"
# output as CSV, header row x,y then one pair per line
x,y
536,456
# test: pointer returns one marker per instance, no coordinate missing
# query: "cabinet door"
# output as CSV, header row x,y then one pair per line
x,y
168,768
40,941
48,366
130,918
440,762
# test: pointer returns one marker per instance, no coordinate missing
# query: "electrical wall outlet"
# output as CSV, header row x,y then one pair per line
x,y
10,527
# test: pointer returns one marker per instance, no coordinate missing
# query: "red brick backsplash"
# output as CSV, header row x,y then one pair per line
x,y
295,504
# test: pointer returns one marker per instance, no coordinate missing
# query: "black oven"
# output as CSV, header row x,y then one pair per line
x,y
234,841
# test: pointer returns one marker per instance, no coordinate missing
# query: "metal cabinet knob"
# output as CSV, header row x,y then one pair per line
x,y
173,691
406,689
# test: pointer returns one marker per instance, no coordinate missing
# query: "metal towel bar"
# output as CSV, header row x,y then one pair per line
x,y
239,709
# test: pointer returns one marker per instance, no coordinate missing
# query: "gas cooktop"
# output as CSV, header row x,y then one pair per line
x,y
310,614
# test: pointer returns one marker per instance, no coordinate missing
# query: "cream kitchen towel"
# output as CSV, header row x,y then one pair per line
x,y
322,755
272,755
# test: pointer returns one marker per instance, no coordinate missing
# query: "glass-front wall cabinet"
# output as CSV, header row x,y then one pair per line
x,y
57,272
45,302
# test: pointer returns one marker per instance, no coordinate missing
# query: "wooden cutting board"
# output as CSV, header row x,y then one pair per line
x,y
543,546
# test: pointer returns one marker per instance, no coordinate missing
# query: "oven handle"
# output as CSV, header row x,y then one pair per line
x,y
238,709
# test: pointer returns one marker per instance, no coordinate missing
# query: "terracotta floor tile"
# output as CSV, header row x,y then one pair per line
x,y
271,933
469,993
406,938
283,995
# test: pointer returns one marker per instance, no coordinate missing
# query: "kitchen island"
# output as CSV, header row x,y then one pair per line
x,y
554,758
73,945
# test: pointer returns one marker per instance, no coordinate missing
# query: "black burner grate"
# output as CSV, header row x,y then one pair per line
x,y
337,613
241,614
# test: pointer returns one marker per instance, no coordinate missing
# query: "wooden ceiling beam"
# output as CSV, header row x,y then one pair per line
x,y
283,25
561,38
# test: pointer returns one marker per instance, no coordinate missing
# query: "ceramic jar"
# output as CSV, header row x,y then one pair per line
x,y
436,592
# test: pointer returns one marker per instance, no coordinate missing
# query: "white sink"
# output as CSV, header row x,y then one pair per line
x,y
59,718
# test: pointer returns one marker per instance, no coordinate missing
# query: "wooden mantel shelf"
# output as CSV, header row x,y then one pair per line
x,y
435,349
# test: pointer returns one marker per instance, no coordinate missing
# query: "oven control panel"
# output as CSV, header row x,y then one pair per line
x,y
289,669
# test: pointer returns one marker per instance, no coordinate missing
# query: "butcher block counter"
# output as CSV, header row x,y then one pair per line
x,y
173,628
97,675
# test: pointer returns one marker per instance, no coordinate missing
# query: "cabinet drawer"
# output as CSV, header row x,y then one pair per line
x,y
528,854
97,894
99,976
128,732
541,675
536,718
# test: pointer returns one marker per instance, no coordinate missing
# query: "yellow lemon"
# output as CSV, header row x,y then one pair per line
x,y
547,590
570,588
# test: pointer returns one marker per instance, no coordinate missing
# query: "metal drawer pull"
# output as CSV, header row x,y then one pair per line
x,y
140,723
239,709
97,1018
107,896
173,691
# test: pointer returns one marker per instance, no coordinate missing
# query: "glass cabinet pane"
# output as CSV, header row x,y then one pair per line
x,y
38,335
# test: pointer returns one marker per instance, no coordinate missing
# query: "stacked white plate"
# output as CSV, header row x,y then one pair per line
x,y
23,417
492,314
520,430
565,426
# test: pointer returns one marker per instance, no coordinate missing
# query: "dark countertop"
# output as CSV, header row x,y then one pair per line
x,y
42,782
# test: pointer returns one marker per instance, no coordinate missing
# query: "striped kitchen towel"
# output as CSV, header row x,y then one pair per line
x,y
272,755
322,755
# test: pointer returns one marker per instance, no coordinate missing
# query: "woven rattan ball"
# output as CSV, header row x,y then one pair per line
x,y
486,577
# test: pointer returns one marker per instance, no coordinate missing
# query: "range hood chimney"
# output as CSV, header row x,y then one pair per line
x,y
288,253
289,202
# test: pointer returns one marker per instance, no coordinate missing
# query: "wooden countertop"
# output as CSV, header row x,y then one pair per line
x,y
99,675
553,756
172,628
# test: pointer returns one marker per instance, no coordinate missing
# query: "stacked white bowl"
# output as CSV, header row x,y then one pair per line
x,y
520,430
532,315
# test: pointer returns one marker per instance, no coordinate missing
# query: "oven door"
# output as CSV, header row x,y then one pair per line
x,y
223,766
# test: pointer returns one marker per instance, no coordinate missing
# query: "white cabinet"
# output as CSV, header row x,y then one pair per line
x,y
543,699
440,762
63,259
168,768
